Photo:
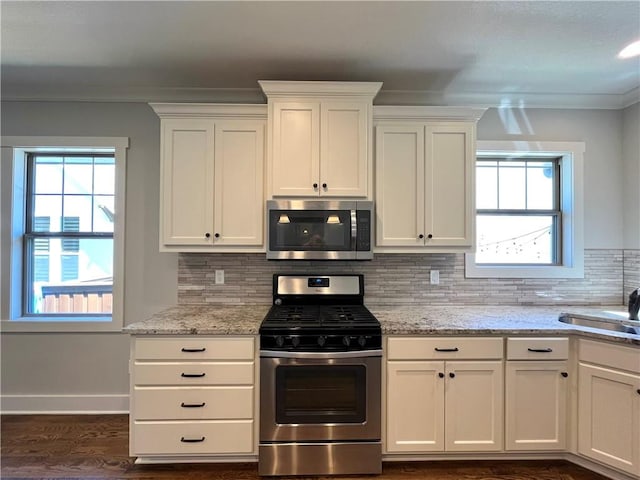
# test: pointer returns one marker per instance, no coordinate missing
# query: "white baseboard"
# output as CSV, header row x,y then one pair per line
x,y
63,404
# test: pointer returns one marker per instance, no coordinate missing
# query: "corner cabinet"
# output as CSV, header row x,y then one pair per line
x,y
212,177
193,396
319,138
425,173
609,404
444,395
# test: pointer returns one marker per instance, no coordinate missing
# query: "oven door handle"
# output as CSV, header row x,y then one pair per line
x,y
321,355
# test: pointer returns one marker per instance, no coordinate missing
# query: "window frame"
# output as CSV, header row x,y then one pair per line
x,y
14,318
571,200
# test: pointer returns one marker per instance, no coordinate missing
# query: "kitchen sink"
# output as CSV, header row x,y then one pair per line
x,y
601,323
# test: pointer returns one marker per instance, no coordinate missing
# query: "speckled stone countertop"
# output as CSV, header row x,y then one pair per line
x,y
396,320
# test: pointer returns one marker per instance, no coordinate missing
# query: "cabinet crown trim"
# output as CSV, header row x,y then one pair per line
x,y
212,110
277,88
424,113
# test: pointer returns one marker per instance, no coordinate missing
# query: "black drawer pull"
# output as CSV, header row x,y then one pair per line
x,y
454,349
192,405
540,350
192,375
193,350
192,440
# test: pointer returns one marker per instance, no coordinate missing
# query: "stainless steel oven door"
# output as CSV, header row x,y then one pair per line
x,y
307,397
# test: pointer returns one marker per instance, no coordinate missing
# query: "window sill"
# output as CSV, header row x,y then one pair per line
x,y
471,270
62,325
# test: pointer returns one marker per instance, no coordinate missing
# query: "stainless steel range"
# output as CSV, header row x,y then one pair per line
x,y
320,379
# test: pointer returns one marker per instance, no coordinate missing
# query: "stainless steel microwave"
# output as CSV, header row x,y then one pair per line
x,y
319,230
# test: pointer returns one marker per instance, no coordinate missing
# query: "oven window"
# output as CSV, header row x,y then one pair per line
x,y
315,230
321,394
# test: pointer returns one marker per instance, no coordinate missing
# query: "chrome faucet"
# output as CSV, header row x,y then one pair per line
x,y
634,304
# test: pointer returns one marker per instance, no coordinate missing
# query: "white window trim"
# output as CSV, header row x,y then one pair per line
x,y
14,150
572,202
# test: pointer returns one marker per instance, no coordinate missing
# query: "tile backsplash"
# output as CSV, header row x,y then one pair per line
x,y
404,279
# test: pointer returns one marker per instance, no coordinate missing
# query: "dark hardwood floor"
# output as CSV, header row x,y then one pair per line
x,y
96,447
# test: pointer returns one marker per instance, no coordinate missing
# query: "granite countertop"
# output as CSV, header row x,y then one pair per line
x,y
395,320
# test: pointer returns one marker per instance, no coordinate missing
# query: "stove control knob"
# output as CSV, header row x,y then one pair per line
x,y
362,341
295,341
322,340
280,341
346,341
278,301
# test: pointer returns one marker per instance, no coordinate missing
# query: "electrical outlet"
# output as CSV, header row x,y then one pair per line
x,y
435,277
219,277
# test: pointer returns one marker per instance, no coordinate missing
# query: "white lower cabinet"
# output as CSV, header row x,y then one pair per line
x,y
444,394
609,405
536,388
192,396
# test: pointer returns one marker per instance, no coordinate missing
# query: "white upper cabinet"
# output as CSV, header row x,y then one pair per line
x,y
425,178
319,138
212,177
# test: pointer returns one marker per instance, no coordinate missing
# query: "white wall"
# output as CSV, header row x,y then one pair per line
x,y
601,130
631,172
95,364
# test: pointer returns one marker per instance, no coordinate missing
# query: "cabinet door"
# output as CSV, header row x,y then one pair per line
x,y
474,406
344,145
415,407
239,203
400,185
609,417
449,177
296,148
536,403
187,182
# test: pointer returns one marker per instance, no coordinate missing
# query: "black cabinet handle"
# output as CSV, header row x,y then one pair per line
x,y
421,236
540,350
564,374
454,349
441,375
638,391
452,375
217,235
192,440
207,235
192,405
430,236
192,375
315,185
324,185
193,350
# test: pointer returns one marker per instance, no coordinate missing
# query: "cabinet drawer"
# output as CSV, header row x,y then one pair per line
x,y
537,348
193,373
210,403
207,438
455,348
194,348
615,356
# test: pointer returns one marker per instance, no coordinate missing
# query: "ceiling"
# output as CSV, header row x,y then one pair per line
x,y
524,53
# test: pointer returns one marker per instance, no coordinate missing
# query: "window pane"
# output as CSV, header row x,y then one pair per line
x,y
79,283
78,175
48,172
487,185
78,206
47,210
512,185
540,186
104,173
103,213
515,239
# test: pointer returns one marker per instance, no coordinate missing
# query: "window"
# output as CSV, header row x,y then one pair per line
x,y
528,211
67,244
68,237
